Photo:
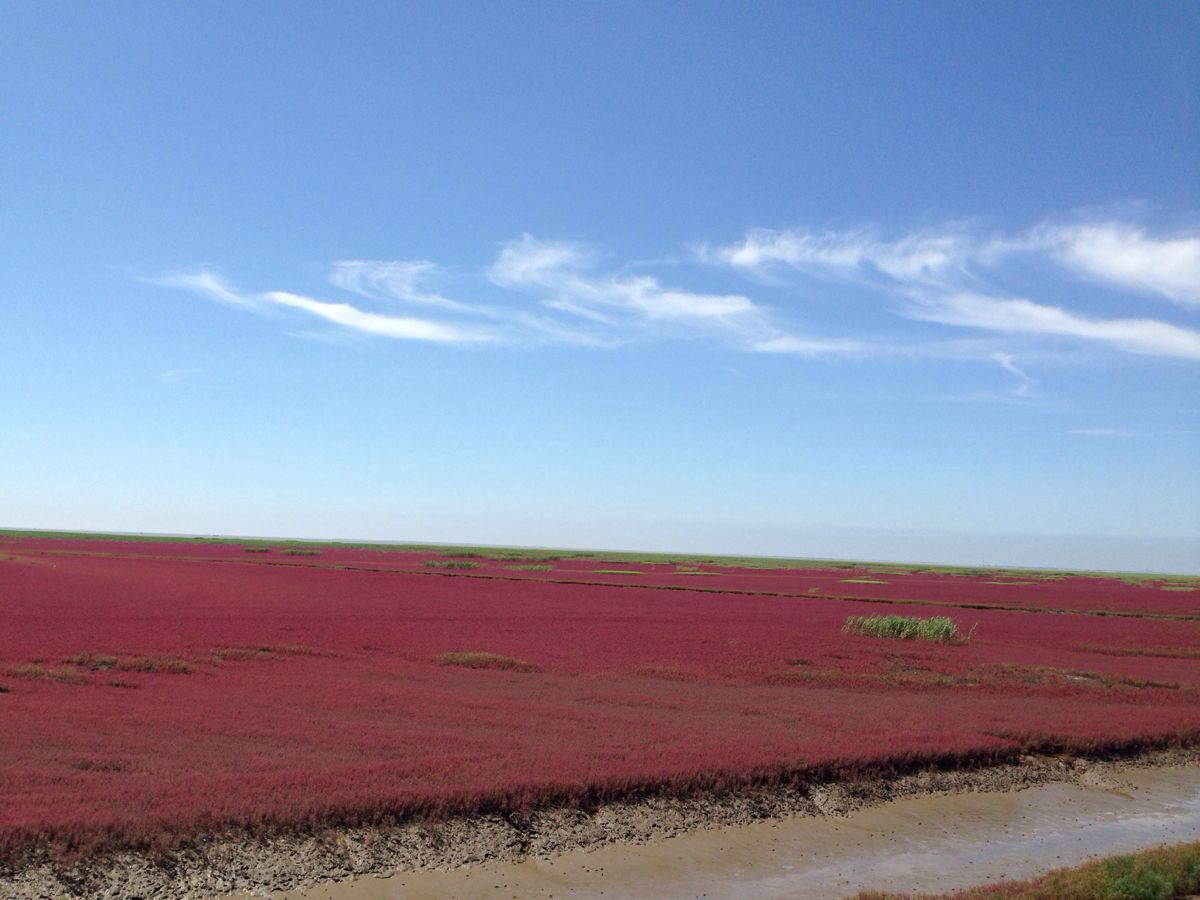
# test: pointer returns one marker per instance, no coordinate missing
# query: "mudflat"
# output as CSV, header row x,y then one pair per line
x,y
933,842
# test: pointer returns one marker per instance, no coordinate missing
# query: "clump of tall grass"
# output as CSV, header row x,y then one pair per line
x,y
452,564
941,629
295,551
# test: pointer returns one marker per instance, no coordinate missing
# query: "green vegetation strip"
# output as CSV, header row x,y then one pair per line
x,y
1160,874
908,628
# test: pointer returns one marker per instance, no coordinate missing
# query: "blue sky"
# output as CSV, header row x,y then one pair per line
x,y
906,281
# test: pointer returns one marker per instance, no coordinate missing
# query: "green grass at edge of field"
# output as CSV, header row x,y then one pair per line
x,y
516,554
941,629
1158,874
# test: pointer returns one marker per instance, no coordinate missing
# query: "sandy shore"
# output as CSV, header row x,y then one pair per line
x,y
804,841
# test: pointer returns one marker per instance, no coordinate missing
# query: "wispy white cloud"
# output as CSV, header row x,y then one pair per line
x,y
405,280
1125,256
800,346
565,278
561,272
403,327
393,279
924,256
949,276
1121,254
208,283
1021,316
1008,363
560,292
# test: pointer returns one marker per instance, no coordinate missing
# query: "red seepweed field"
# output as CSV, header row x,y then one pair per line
x,y
153,692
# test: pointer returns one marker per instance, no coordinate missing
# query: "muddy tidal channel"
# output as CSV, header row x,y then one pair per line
x,y
927,843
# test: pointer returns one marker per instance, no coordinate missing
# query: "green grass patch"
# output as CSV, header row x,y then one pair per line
x,y
531,567
296,551
863,581
616,572
1178,587
1159,874
451,564
257,549
941,629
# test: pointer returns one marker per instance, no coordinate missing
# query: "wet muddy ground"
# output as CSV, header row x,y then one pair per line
x,y
925,831
919,843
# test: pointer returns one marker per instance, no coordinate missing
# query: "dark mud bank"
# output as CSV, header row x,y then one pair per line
x,y
221,866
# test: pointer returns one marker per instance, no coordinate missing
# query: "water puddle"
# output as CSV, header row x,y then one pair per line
x,y
930,843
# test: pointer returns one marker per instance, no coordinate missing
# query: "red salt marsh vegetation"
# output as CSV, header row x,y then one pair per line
x,y
152,692
1046,590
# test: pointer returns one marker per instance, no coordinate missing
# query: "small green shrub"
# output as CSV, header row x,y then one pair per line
x,y
941,629
451,564
296,551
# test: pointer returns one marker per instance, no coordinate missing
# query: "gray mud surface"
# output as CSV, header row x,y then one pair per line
x,y
381,856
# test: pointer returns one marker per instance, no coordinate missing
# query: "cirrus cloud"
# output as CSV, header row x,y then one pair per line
x,y
951,276
537,292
